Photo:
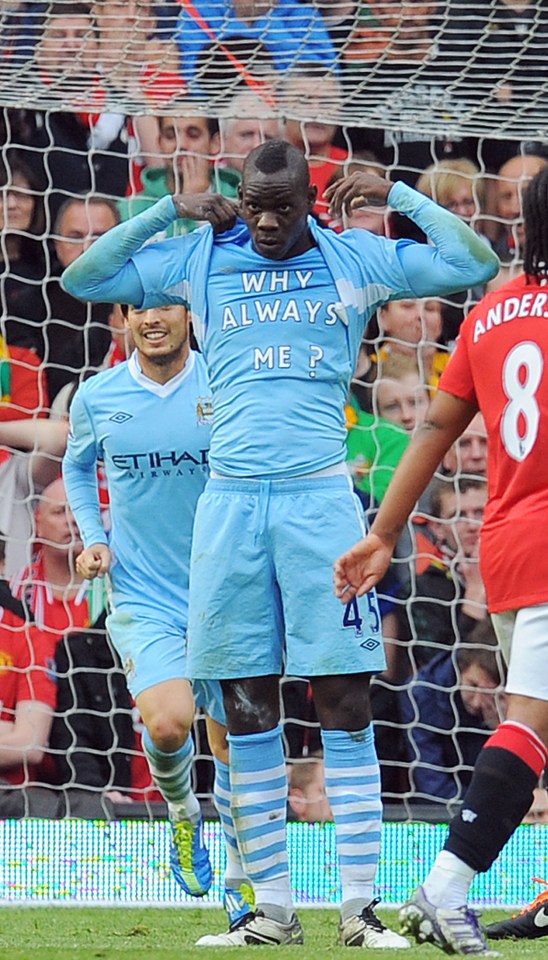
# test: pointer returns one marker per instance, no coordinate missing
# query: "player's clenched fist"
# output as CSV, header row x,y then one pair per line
x,y
357,190
94,561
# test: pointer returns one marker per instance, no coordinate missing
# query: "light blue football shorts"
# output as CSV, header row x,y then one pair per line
x,y
261,582
153,650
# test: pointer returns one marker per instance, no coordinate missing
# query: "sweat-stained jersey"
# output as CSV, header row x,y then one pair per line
x,y
500,364
154,441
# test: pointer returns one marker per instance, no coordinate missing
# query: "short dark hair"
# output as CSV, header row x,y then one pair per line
x,y
86,200
63,9
276,155
212,122
442,486
14,164
481,648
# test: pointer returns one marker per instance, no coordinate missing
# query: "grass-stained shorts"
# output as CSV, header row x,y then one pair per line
x,y
261,582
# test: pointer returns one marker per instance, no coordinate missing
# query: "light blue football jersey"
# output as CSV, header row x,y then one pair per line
x,y
154,442
280,338
280,350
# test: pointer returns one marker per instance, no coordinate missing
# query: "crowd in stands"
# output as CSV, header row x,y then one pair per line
x,y
69,732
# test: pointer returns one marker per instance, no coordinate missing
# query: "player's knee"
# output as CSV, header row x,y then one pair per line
x,y
252,705
342,702
168,733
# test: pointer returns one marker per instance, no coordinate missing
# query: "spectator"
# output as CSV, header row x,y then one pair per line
x,y
289,32
76,152
307,795
300,725
457,185
385,27
54,592
411,328
20,30
30,459
306,93
377,437
498,40
448,598
449,708
188,145
122,344
93,739
22,381
27,696
136,54
245,126
376,219
511,178
66,49
77,334
468,455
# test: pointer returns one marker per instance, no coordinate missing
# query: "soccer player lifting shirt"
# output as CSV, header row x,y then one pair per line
x,y
279,307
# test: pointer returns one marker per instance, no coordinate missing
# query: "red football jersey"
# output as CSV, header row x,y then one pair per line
x,y
501,365
26,673
53,614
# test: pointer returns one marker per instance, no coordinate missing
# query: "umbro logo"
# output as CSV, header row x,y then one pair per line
x,y
121,417
370,644
469,816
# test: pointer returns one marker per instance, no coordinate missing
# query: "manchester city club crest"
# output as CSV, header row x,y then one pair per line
x,y
204,410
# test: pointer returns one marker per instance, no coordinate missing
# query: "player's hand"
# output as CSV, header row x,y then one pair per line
x,y
359,570
94,561
219,211
357,190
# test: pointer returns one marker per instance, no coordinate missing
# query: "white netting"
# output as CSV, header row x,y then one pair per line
x,y
451,68
102,107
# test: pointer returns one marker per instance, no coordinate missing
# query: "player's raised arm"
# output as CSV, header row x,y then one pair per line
x,y
105,271
359,569
456,259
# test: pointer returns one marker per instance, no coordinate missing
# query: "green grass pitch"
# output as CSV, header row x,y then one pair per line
x,y
59,933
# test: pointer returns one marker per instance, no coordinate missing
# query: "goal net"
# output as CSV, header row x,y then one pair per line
x,y
106,106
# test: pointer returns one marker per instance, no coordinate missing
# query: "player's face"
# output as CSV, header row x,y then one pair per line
x,y
160,334
275,208
480,697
